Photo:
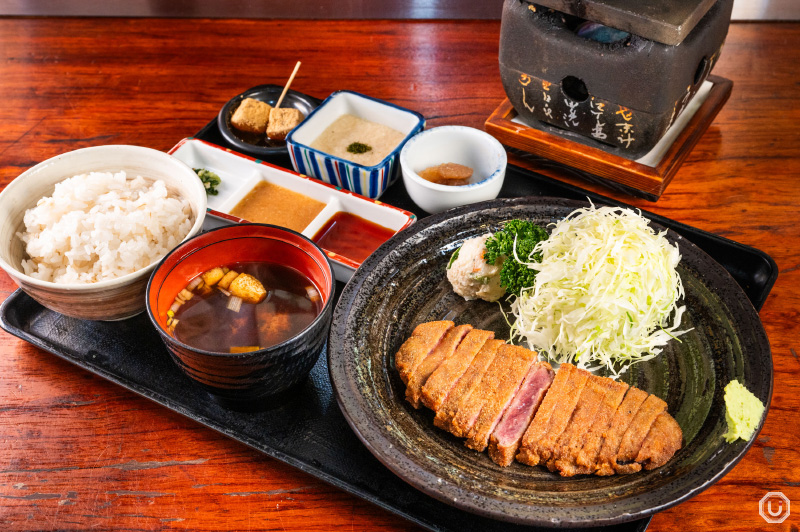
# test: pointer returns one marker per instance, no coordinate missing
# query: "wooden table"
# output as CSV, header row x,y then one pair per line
x,y
79,453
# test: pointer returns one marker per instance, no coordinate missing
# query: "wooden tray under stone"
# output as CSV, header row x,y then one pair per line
x,y
647,177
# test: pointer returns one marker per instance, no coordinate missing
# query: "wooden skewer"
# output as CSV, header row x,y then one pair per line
x,y
286,88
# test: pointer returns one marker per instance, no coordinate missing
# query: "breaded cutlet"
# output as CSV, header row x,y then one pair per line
x,y
441,381
423,340
447,346
518,363
466,384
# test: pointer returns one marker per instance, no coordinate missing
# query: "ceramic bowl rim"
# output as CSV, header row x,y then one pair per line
x,y
14,272
411,134
442,130
220,355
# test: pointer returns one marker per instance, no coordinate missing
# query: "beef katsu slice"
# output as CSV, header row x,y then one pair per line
x,y
612,437
466,384
415,349
586,457
518,363
447,346
560,419
505,439
541,420
583,418
470,409
441,381
635,435
662,442
565,396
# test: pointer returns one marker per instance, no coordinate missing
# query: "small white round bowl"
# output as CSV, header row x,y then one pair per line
x,y
453,144
113,299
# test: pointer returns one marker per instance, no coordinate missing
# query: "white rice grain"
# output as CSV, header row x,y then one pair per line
x,y
101,226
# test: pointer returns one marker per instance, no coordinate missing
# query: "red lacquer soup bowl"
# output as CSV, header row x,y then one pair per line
x,y
244,378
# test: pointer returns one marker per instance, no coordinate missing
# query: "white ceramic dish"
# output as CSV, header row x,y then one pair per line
x,y
453,144
369,181
240,173
113,299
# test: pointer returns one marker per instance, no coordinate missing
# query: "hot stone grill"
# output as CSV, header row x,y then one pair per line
x,y
609,74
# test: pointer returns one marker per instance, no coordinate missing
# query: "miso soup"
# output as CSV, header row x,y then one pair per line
x,y
208,320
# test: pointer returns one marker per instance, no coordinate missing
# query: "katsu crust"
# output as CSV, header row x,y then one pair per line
x,y
612,438
662,442
586,456
444,379
541,421
567,396
500,396
466,384
447,346
574,436
422,341
470,409
518,362
635,435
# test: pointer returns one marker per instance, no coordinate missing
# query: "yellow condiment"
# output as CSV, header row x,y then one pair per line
x,y
272,204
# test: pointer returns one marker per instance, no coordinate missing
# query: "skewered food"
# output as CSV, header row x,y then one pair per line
x,y
282,120
251,116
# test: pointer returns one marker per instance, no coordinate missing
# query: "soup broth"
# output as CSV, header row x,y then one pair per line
x,y
291,304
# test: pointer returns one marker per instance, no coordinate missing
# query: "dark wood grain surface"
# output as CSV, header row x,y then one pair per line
x,y
79,453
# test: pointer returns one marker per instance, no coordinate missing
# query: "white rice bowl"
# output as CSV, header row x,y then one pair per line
x,y
101,226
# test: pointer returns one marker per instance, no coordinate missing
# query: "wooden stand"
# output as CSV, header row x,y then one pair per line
x,y
596,165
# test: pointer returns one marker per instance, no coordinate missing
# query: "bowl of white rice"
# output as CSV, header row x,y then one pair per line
x,y
82,232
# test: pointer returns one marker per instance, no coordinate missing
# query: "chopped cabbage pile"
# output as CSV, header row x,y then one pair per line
x,y
605,293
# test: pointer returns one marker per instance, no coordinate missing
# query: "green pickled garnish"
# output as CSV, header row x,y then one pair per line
x,y
358,147
210,180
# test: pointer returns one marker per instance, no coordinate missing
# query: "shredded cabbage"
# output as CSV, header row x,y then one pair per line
x,y
606,288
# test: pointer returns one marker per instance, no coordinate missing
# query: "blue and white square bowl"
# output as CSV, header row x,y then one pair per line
x,y
369,181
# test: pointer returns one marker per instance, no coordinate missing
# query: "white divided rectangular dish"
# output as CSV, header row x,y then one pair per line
x,y
240,173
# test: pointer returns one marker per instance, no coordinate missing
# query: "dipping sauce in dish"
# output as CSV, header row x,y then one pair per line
x,y
207,320
349,131
272,204
351,236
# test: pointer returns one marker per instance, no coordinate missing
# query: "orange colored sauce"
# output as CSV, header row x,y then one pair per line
x,y
272,204
351,236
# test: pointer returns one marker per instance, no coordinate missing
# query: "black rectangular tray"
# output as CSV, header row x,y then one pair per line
x,y
307,430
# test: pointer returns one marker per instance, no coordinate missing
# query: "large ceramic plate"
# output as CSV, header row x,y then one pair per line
x,y
404,284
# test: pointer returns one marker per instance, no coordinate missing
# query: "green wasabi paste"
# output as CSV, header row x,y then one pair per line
x,y
743,412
